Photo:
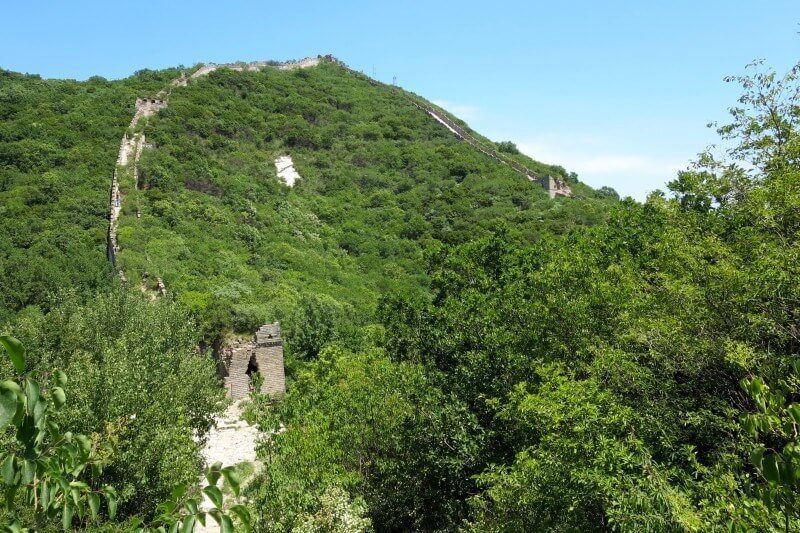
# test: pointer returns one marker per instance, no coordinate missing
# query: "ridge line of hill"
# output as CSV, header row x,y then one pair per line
x,y
554,186
131,146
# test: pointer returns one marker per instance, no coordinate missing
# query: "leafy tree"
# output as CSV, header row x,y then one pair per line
x,y
136,381
776,456
361,424
508,147
48,471
315,322
51,472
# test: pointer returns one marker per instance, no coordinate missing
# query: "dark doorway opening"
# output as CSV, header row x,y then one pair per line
x,y
252,366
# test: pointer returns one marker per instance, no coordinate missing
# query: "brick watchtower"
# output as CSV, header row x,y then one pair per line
x,y
264,356
269,359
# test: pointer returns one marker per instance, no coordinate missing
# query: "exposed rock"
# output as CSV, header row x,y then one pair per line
x,y
285,169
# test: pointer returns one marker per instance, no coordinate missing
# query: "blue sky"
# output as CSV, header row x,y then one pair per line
x,y
619,92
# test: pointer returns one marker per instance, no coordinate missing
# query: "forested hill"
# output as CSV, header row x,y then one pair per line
x,y
58,146
382,183
463,353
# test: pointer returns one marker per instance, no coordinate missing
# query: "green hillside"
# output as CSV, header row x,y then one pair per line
x,y
462,352
58,144
382,185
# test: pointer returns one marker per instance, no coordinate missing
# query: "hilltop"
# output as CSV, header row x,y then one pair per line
x,y
381,182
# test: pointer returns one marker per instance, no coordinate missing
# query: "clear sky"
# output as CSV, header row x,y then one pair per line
x,y
619,92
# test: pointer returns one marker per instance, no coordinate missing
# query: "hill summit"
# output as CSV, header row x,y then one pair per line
x,y
369,176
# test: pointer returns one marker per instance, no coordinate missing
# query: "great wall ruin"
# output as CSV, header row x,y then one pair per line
x,y
130,150
553,185
232,440
132,145
263,354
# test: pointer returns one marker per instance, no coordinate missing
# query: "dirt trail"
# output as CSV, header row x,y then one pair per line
x,y
231,442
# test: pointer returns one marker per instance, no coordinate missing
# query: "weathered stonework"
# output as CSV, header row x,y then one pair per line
x,y
130,150
257,65
557,187
263,354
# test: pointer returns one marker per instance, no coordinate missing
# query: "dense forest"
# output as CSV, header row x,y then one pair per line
x,y
462,352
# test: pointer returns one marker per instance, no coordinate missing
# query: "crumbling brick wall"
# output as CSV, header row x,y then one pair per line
x,y
264,355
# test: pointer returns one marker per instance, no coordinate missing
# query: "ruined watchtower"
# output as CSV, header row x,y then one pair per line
x,y
555,187
263,354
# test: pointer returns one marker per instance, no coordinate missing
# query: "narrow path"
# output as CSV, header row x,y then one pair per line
x,y
231,442
130,150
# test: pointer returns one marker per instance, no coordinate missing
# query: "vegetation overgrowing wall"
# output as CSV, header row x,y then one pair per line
x,y
382,182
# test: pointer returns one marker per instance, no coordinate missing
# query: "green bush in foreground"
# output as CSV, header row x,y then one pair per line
x,y
50,474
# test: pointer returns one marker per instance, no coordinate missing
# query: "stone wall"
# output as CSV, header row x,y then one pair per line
x,y
263,354
257,65
559,187
555,186
130,150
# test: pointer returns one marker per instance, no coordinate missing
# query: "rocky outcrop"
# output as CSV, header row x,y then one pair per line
x,y
284,167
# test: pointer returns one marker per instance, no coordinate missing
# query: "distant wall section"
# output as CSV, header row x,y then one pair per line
x,y
262,354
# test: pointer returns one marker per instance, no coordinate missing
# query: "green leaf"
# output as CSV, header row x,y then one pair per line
x,y
12,386
7,469
76,496
94,504
111,500
243,514
44,494
28,470
66,516
61,378
794,412
59,398
191,504
188,524
178,491
770,469
213,473
38,415
8,406
232,478
215,495
226,524
31,393
84,442
15,351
